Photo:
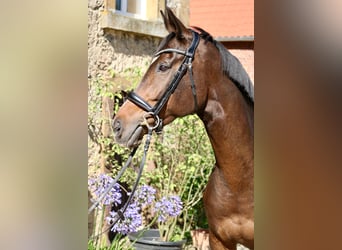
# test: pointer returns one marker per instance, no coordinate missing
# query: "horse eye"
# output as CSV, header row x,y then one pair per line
x,y
163,67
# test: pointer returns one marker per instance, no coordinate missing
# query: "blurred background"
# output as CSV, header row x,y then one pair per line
x,y
43,114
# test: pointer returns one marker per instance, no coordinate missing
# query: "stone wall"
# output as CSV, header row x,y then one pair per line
x,y
114,50
111,50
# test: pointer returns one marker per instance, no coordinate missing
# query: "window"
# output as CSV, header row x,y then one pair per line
x,y
133,8
137,16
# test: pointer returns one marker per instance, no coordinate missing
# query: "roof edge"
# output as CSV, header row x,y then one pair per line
x,y
235,38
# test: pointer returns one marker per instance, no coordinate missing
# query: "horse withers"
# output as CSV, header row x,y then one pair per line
x,y
193,73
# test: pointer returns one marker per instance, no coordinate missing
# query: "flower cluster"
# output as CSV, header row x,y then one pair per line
x,y
145,195
170,206
98,186
131,219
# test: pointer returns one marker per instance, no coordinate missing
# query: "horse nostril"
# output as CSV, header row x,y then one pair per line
x,y
117,127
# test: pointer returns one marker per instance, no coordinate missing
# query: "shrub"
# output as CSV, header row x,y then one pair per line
x,y
182,155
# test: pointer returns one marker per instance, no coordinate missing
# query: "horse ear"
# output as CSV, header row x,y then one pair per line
x,y
173,24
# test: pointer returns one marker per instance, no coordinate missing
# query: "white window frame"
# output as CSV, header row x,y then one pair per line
x,y
123,11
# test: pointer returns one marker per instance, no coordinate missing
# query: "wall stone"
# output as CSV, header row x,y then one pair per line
x,y
130,50
110,49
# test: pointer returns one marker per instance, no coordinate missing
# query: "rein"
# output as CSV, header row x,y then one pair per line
x,y
154,111
128,162
120,214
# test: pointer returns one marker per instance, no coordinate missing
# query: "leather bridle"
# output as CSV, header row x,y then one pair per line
x,y
186,65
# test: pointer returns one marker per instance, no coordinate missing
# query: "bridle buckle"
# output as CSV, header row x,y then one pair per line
x,y
157,121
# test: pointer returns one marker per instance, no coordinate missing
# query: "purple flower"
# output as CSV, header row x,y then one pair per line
x,y
100,184
168,207
131,222
144,195
131,219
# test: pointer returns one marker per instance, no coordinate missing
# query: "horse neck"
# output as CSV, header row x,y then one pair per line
x,y
228,119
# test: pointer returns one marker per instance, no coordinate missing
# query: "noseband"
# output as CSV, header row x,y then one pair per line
x,y
186,64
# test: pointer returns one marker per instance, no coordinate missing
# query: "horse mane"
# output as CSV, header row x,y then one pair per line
x,y
231,67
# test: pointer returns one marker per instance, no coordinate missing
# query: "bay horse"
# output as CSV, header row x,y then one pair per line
x,y
193,73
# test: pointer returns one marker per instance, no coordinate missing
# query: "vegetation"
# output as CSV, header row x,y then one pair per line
x,y
181,157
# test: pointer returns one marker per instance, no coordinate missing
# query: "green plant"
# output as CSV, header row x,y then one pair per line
x,y
99,116
102,151
119,243
130,220
182,156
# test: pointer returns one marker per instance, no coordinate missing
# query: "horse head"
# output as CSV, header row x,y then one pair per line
x,y
173,86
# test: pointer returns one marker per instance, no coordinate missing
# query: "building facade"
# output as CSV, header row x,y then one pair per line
x,y
231,22
125,33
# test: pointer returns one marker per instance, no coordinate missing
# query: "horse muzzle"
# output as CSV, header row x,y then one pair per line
x,y
128,136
